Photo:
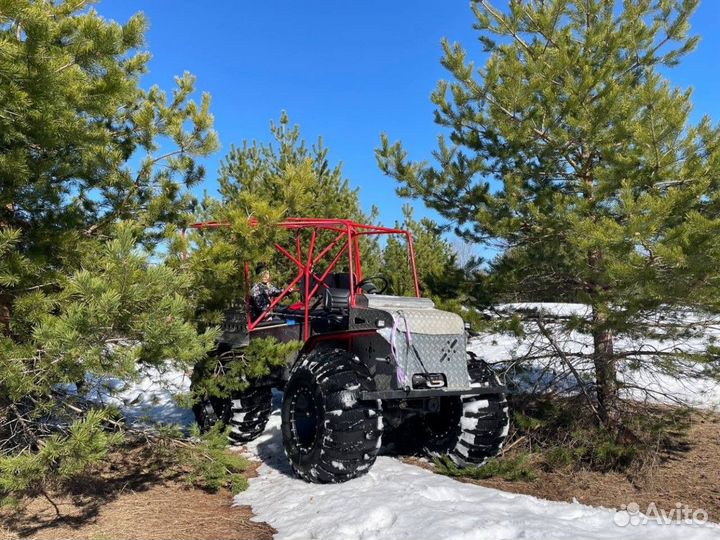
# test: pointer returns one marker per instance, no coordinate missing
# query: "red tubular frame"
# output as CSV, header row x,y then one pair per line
x,y
348,232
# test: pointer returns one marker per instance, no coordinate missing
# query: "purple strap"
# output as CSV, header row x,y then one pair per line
x,y
400,372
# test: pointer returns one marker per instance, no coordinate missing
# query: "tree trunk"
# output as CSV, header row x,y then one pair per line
x,y
603,351
604,360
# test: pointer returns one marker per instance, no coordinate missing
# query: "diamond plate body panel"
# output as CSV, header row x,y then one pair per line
x,y
429,341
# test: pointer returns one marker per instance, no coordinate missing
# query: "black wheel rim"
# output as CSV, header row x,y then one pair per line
x,y
444,423
304,418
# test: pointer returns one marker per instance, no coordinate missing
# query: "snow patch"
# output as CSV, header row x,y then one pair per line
x,y
395,500
147,400
348,399
693,388
468,424
475,406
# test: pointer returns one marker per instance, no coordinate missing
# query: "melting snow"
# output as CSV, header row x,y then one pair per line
x,y
348,399
475,406
148,399
395,500
693,388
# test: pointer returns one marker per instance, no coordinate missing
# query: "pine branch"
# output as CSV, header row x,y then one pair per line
x,y
501,19
541,134
54,505
65,66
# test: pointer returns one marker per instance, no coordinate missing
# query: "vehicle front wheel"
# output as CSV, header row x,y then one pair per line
x,y
330,435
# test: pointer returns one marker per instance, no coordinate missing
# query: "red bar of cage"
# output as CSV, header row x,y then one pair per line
x,y
348,236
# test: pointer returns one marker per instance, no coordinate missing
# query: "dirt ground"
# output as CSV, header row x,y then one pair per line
x,y
131,501
689,477
160,512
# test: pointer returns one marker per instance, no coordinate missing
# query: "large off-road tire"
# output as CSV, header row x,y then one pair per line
x,y
330,435
246,413
249,413
469,429
207,411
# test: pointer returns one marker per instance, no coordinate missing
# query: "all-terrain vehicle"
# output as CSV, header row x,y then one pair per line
x,y
371,364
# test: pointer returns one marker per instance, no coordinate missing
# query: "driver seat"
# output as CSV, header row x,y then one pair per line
x,y
342,281
337,301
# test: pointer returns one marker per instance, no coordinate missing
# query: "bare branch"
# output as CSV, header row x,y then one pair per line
x,y
566,361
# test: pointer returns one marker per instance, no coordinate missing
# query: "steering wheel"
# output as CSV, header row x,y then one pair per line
x,y
367,284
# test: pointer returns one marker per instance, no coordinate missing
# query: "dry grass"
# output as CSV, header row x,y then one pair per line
x,y
133,497
690,476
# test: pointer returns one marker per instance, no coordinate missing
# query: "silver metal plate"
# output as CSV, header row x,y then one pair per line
x,y
429,341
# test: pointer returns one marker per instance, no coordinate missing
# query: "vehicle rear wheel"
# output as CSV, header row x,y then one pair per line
x,y
206,412
246,413
249,413
469,429
329,434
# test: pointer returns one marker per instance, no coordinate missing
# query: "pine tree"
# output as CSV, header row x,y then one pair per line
x,y
570,151
261,184
86,195
434,256
268,182
296,178
440,276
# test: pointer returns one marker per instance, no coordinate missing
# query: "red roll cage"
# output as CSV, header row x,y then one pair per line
x,y
348,235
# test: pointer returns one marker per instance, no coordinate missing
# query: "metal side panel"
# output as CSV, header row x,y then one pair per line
x,y
390,302
427,321
431,353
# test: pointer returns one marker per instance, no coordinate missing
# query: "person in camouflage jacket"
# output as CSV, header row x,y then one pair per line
x,y
262,292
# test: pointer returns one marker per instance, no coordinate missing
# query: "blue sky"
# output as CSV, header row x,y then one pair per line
x,y
344,70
